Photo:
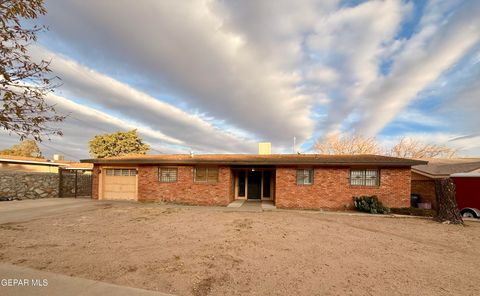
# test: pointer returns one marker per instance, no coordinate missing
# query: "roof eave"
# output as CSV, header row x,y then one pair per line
x,y
432,176
31,162
233,162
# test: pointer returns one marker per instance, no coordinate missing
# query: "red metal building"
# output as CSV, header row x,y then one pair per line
x,y
467,186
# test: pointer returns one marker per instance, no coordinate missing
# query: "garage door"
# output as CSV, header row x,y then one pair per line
x,y
120,184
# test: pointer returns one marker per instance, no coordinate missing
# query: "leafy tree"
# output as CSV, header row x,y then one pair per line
x,y
117,144
24,84
27,148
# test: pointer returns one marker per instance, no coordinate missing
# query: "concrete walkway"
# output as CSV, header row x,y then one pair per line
x,y
252,205
57,284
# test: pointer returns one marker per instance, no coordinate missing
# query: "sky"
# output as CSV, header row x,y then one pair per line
x,y
220,76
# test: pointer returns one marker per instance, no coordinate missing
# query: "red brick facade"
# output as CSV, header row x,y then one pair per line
x,y
185,190
426,190
425,187
331,189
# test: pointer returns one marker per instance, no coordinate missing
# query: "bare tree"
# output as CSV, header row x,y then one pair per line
x,y
354,144
410,148
24,84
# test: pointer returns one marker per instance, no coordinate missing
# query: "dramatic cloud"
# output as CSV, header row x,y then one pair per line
x,y
348,46
114,97
181,47
423,59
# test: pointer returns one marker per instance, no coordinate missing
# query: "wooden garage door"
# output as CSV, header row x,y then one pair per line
x,y
120,184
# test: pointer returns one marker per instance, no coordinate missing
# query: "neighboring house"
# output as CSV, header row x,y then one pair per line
x,y
291,181
27,164
30,178
39,165
84,168
423,176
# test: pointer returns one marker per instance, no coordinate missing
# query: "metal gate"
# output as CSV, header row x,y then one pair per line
x,y
75,183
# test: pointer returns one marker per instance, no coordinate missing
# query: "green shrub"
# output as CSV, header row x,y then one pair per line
x,y
369,204
414,212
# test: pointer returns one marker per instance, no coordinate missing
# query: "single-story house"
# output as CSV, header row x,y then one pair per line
x,y
308,181
28,164
39,165
424,175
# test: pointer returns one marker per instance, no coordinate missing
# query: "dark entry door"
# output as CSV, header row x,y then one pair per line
x,y
254,185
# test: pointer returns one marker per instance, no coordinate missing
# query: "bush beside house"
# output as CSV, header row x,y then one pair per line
x,y
370,204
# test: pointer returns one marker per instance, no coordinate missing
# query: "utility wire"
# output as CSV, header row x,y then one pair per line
x,y
62,152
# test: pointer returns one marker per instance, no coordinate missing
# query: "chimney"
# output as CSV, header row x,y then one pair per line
x,y
58,157
265,148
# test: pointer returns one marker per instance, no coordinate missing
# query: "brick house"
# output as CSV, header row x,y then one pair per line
x,y
306,181
424,175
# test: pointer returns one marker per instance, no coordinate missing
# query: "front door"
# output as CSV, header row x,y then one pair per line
x,y
254,185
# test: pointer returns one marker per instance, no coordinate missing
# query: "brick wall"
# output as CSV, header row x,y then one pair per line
x,y
426,190
332,190
185,190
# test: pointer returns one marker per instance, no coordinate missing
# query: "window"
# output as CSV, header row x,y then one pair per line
x,y
364,178
168,175
305,177
121,172
207,175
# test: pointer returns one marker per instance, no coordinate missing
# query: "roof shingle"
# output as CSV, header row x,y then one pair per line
x,y
445,167
254,159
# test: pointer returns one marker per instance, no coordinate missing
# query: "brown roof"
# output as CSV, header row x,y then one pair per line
x,y
13,157
255,159
43,161
440,168
26,160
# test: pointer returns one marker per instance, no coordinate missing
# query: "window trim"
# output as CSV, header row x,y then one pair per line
x,y
364,178
167,168
207,168
120,171
312,172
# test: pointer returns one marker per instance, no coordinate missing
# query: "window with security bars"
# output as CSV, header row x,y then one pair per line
x,y
168,175
364,178
206,175
304,176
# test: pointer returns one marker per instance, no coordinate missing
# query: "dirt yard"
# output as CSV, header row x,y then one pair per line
x,y
211,251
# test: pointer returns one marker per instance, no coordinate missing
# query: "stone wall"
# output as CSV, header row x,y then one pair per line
x,y
22,185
